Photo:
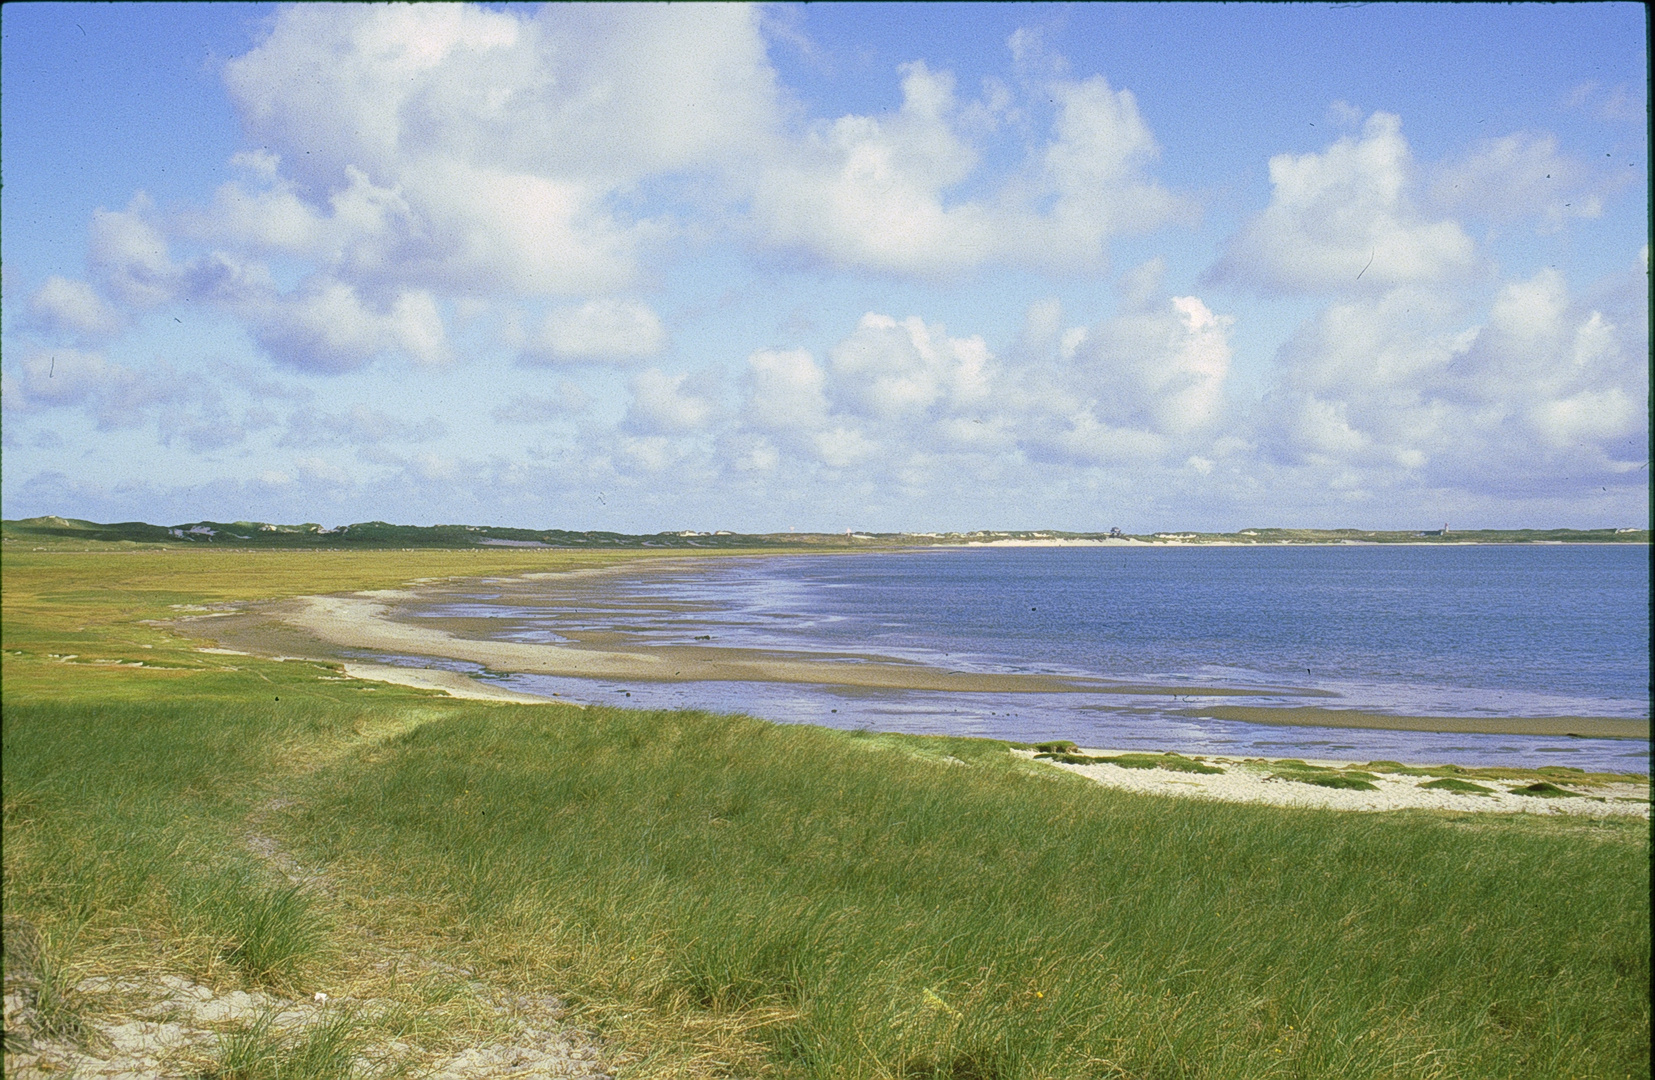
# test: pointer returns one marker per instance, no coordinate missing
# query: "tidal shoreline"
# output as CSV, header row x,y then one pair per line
x,y
345,627
366,621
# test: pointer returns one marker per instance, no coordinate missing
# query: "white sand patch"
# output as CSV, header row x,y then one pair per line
x,y
1249,781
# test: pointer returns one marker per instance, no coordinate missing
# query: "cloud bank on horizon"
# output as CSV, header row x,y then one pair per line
x,y
661,266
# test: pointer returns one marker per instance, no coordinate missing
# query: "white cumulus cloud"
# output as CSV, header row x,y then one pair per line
x,y
665,404
599,330
1148,384
861,191
74,306
1545,388
907,370
115,394
881,193
787,391
497,138
1517,177
904,398
327,326
1162,369
1346,218
131,253
406,164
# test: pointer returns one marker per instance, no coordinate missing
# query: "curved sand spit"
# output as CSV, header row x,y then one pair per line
x,y
365,621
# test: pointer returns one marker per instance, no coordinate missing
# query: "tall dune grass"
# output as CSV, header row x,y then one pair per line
x,y
839,905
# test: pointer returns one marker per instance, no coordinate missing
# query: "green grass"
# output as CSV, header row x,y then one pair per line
x,y
114,809
873,907
1170,762
272,934
1449,783
882,913
1320,775
1543,790
720,896
1564,773
324,1051
34,966
1330,780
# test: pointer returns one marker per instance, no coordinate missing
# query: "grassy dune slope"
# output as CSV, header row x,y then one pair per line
x,y
722,896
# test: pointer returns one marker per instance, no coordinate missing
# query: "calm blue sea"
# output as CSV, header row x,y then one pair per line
x,y
1417,630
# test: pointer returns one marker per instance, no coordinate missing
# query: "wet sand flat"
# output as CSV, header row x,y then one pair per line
x,y
1595,727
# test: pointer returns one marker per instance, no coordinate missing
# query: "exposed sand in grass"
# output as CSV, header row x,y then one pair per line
x,y
1246,780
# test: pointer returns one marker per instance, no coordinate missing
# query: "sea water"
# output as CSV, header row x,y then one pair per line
x,y
1416,630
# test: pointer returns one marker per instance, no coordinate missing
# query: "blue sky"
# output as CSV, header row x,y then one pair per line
x,y
881,267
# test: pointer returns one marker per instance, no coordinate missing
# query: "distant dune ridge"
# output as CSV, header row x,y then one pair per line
x,y
379,534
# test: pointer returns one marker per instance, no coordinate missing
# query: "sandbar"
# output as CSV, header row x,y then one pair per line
x,y
452,683
1592,727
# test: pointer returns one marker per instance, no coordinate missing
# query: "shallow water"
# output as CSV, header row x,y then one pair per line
x,y
1417,630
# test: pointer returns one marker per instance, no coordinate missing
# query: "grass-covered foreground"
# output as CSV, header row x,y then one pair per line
x,y
722,896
